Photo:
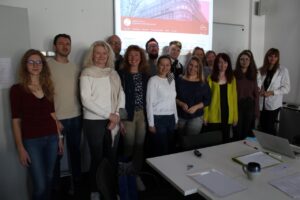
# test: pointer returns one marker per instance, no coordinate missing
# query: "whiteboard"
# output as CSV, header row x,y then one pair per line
x,y
230,39
14,40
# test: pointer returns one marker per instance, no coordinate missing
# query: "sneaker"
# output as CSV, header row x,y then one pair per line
x,y
95,196
139,184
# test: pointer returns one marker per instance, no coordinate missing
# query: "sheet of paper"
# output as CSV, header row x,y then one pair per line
x,y
279,170
217,183
289,185
260,157
7,77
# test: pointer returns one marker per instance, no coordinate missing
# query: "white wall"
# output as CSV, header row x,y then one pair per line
x,y
228,10
283,32
257,35
85,21
14,41
242,13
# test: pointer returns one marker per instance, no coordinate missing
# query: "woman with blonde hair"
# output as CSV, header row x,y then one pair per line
x,y
35,127
102,96
193,94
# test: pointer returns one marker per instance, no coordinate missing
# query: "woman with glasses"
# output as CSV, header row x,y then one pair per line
x,y
34,123
273,82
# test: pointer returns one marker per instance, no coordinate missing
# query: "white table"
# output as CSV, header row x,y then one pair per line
x,y
176,167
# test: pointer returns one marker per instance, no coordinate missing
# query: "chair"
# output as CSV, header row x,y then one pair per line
x,y
206,139
296,140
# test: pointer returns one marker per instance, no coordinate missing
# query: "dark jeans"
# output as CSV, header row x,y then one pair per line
x,y
163,140
72,132
42,152
246,116
267,121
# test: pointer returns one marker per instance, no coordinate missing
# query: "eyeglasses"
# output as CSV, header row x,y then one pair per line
x,y
36,62
153,46
116,43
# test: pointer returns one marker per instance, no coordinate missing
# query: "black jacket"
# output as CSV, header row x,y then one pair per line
x,y
128,87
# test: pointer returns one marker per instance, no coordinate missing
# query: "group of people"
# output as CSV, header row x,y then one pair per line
x,y
131,97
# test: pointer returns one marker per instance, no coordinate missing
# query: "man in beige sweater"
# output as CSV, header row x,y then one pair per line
x,y
65,76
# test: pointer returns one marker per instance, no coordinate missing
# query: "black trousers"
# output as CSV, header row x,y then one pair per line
x,y
246,116
267,121
224,127
100,145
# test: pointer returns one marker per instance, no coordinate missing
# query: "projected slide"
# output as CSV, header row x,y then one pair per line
x,y
189,21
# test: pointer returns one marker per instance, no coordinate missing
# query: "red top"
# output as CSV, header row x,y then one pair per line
x,y
248,88
34,113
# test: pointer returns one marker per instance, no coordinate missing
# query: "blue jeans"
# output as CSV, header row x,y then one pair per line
x,y
190,126
72,131
163,139
42,152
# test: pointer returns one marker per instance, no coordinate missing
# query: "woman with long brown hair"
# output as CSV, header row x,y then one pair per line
x,y
245,73
134,77
34,123
200,53
273,82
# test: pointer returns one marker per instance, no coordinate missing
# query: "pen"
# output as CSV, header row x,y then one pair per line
x,y
278,157
250,145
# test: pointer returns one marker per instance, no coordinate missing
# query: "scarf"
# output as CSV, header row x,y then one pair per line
x,y
115,84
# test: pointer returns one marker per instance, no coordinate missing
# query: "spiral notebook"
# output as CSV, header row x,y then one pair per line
x,y
260,157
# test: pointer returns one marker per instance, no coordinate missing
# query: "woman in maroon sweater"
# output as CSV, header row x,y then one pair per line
x,y
35,127
247,90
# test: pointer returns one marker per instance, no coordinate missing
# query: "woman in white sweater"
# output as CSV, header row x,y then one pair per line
x,y
273,82
161,107
102,96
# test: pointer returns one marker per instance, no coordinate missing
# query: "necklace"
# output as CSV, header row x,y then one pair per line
x,y
35,87
36,90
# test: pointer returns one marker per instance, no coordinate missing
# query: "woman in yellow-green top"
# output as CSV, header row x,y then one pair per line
x,y
223,109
